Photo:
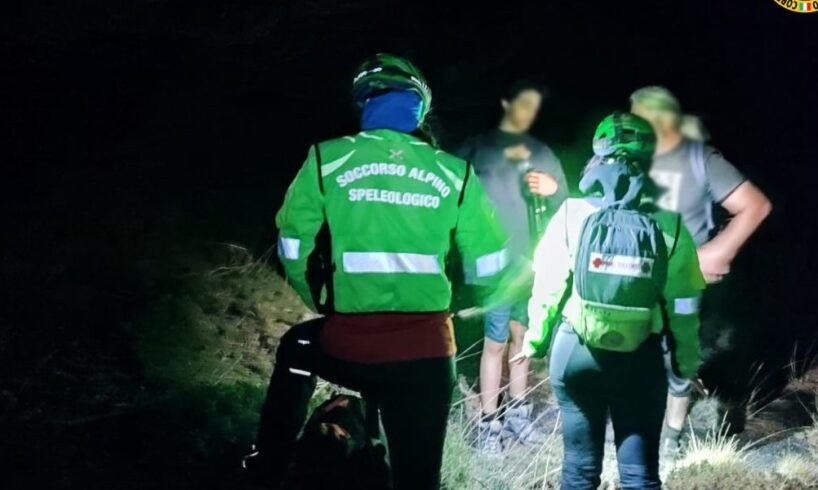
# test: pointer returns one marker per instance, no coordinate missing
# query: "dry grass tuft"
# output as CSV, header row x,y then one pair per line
x,y
716,448
218,325
798,470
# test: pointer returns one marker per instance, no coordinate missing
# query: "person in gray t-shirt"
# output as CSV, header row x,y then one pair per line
x,y
695,177
512,166
693,192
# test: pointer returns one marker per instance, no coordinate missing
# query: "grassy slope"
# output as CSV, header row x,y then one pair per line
x,y
218,331
183,409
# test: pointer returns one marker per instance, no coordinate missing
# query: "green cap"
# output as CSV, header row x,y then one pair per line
x,y
385,72
657,98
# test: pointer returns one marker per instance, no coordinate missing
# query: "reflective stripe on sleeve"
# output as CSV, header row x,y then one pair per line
x,y
686,306
388,262
492,263
288,247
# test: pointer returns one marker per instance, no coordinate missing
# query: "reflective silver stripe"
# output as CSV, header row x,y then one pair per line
x,y
288,247
458,183
334,165
686,306
371,136
300,372
387,262
492,263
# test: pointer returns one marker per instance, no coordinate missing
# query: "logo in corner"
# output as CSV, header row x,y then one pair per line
x,y
799,6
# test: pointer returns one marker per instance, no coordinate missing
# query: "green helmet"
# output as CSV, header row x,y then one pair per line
x,y
385,72
624,136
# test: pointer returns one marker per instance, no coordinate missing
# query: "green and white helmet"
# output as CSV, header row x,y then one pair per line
x,y
624,136
385,72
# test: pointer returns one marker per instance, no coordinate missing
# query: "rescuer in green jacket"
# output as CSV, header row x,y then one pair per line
x,y
389,205
592,382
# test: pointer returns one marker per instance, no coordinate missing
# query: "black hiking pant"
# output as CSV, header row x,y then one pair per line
x,y
413,397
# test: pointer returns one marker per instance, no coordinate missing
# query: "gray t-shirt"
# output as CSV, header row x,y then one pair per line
x,y
690,193
503,181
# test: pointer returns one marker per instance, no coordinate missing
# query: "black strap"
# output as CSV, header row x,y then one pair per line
x,y
319,263
662,299
465,181
676,236
318,164
451,271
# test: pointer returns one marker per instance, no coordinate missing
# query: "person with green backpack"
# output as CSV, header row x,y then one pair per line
x,y
612,273
364,234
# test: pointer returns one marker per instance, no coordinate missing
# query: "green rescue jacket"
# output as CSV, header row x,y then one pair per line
x,y
392,204
554,263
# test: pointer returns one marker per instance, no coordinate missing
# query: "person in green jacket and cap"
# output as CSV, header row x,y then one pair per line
x,y
389,205
606,358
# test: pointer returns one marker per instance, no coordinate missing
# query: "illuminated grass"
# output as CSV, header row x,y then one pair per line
x,y
716,448
220,325
714,461
215,336
522,468
798,469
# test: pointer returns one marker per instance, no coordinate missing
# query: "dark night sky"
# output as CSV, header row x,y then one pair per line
x,y
138,136
127,119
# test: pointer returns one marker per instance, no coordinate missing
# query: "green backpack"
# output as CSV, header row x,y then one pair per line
x,y
620,272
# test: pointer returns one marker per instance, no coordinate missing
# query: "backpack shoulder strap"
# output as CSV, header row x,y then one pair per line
x,y
580,229
317,147
675,236
465,181
319,265
662,300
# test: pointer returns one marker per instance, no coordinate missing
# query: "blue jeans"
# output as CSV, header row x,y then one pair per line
x,y
591,384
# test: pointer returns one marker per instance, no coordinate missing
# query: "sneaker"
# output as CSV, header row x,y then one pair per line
x,y
489,439
258,473
519,425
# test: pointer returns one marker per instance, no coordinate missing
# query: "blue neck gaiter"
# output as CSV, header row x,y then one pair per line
x,y
399,111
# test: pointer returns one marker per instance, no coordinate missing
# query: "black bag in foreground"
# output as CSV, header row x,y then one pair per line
x,y
335,450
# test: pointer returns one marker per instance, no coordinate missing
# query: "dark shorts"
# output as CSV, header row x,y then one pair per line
x,y
495,326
